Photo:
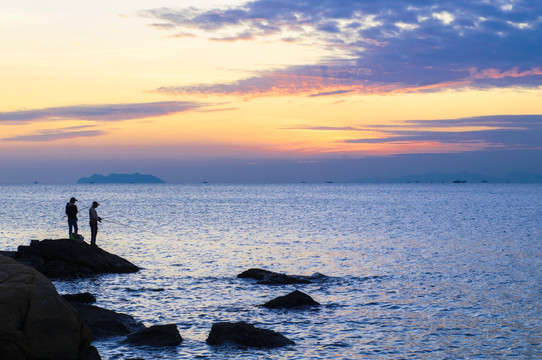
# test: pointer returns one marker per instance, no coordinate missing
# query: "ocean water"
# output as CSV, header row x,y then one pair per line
x,y
414,271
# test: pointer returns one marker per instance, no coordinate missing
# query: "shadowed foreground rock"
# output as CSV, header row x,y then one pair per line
x,y
157,335
273,278
105,323
35,321
292,300
64,257
246,335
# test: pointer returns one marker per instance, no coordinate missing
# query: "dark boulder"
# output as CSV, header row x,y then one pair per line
x,y
245,334
157,335
292,300
283,279
273,278
105,323
64,257
86,298
35,321
257,274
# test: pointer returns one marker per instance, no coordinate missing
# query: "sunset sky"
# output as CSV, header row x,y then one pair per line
x,y
268,90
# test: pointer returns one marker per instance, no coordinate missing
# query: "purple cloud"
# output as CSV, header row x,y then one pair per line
x,y
49,135
382,46
511,132
102,113
328,93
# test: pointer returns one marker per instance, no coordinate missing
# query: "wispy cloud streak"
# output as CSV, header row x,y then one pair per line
x,y
100,113
53,135
511,132
379,46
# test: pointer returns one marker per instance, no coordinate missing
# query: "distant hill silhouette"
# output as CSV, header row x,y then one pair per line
x,y
435,177
135,178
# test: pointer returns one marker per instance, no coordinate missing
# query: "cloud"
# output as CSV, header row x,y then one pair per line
x,y
239,37
326,128
378,46
53,135
101,113
328,93
510,132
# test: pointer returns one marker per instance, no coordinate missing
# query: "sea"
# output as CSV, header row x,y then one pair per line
x,y
412,271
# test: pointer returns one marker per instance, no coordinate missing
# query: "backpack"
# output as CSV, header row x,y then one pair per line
x,y
77,237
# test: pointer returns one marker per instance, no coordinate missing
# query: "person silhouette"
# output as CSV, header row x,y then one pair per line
x,y
71,211
94,218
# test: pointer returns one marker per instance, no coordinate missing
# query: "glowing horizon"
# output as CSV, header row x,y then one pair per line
x,y
258,79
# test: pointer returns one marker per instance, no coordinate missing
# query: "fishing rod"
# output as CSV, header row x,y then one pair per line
x,y
132,227
88,207
109,198
121,224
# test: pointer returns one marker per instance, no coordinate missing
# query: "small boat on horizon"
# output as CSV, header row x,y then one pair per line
x,y
460,181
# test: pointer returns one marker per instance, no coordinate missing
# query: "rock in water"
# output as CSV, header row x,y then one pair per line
x,y
292,300
157,335
258,274
86,298
245,334
273,278
64,257
35,321
105,323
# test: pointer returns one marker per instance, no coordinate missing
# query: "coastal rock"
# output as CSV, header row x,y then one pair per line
x,y
273,278
244,334
86,298
36,322
64,257
257,274
157,335
283,279
105,323
292,300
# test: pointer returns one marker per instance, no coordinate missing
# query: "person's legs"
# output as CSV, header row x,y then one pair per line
x,y
72,226
93,233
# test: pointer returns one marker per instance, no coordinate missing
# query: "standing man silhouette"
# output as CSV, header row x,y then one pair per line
x,y
94,218
71,211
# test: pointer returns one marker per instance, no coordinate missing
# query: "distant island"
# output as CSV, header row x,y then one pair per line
x,y
135,178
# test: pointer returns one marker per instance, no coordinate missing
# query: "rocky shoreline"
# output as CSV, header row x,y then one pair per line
x,y
24,276
67,258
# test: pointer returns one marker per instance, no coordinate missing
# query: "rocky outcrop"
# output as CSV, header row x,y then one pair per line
x,y
157,335
295,299
273,278
105,323
36,322
86,298
245,334
64,257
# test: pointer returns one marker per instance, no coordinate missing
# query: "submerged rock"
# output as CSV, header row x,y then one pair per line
x,y
292,300
157,335
257,274
273,278
86,298
105,323
64,257
36,322
244,334
283,279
